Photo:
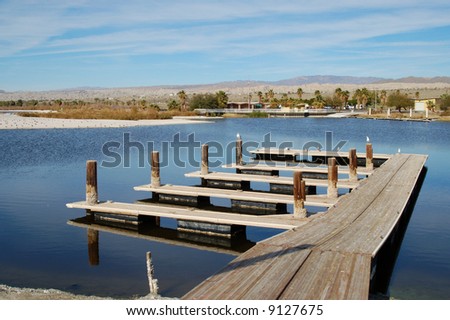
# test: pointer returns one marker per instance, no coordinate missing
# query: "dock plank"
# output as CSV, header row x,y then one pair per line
x,y
331,275
227,176
311,200
266,165
188,213
314,153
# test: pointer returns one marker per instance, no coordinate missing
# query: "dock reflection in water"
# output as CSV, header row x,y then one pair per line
x,y
152,232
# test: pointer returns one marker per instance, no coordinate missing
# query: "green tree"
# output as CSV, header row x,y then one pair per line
x,y
173,105
399,101
222,99
444,102
204,101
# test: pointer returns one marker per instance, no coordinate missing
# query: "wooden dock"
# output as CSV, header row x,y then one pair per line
x,y
266,197
327,255
228,176
189,213
330,257
368,159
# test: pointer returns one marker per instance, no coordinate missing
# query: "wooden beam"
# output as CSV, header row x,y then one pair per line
x,y
369,156
91,182
155,177
332,190
299,195
353,165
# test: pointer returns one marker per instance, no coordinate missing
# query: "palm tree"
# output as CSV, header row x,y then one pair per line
x,y
270,94
383,97
300,93
183,97
260,95
344,97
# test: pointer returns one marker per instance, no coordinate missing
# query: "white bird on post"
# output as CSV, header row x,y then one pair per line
x,y
367,139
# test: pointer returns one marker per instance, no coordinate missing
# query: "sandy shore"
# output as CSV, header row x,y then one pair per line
x,y
12,293
10,121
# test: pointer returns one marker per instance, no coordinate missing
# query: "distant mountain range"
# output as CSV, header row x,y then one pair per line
x,y
318,79
238,86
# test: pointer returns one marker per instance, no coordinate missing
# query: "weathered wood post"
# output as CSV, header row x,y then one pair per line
x,y
410,112
238,152
426,112
332,191
353,165
152,282
155,178
389,112
204,170
91,182
369,156
299,195
204,167
93,248
370,111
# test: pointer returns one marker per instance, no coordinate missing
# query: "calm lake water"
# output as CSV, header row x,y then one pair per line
x,y
42,170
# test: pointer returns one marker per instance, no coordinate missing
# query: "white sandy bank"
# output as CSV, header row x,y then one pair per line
x,y
13,121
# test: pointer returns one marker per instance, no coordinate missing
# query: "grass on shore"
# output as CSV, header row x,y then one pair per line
x,y
109,113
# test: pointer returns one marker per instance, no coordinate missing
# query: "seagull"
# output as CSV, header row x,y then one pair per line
x,y
398,151
367,139
238,135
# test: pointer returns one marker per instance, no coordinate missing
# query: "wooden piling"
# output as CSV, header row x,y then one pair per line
x,y
204,165
353,165
332,191
239,151
299,195
93,248
91,182
369,156
152,282
155,178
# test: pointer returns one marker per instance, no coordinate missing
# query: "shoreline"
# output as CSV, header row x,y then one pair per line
x,y
10,121
15,293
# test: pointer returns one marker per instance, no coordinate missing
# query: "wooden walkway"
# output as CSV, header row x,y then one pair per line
x,y
331,256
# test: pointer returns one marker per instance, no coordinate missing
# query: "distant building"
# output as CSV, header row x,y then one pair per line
x,y
422,104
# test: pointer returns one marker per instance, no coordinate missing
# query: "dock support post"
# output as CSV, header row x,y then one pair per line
x,y
332,191
370,111
369,156
204,166
353,165
155,178
389,112
238,152
410,112
91,182
299,196
152,282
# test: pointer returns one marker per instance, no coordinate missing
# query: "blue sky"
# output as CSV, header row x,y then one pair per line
x,y
108,43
